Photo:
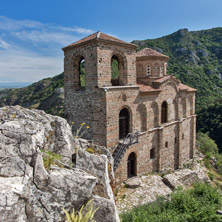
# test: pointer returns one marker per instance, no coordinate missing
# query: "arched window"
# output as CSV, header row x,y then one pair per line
x,y
124,118
82,73
164,112
131,165
115,70
148,71
118,66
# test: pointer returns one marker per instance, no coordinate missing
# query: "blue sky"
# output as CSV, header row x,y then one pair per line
x,y
32,32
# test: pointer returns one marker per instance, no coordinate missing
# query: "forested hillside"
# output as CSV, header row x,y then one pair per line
x,y
47,94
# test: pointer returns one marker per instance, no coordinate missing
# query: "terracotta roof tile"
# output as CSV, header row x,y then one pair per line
x,y
99,35
185,87
146,88
150,52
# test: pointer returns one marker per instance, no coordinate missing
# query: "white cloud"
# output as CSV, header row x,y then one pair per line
x,y
4,44
31,50
25,66
76,29
12,24
37,36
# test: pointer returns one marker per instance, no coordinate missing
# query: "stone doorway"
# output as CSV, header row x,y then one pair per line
x,y
131,165
124,118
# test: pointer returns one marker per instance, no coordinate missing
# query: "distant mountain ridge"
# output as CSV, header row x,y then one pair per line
x,y
46,94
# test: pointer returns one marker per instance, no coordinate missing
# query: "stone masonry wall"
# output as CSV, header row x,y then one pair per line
x,y
98,105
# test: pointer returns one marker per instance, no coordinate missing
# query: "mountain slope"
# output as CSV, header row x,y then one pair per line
x,y
47,94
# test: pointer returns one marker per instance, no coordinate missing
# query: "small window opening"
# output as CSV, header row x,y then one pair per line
x,y
175,140
82,73
166,144
115,71
148,70
182,136
152,153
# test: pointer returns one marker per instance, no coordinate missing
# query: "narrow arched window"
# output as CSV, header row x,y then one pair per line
x,y
124,118
148,71
164,112
82,73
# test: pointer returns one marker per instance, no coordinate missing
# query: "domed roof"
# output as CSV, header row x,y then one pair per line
x,y
151,53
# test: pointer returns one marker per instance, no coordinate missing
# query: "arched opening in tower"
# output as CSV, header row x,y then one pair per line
x,y
115,71
82,73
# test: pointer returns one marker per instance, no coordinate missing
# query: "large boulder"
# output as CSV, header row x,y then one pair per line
x,y
29,191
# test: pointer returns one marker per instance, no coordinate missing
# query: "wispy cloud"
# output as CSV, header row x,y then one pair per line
x,y
12,24
4,44
26,66
43,36
31,50
77,29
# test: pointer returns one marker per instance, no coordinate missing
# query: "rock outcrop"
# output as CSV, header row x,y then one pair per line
x,y
145,189
28,191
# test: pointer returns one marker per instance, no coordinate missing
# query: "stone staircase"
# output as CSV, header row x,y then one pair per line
x,y
131,138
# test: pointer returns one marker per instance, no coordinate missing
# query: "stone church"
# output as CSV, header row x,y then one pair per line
x,y
145,117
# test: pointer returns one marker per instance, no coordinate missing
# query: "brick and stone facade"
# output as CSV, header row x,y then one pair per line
x,y
157,105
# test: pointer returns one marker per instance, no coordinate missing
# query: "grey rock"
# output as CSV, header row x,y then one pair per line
x,y
133,183
29,192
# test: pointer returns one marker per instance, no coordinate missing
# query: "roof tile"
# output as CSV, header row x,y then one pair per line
x,y
99,35
149,52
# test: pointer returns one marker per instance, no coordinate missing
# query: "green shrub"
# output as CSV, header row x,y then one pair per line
x,y
206,144
51,158
211,176
198,204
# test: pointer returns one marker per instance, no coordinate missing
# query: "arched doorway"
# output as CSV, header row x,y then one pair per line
x,y
131,165
124,118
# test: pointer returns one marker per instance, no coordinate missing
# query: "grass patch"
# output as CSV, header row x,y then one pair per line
x,y
198,204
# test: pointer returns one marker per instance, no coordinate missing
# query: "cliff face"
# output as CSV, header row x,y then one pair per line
x,y
31,192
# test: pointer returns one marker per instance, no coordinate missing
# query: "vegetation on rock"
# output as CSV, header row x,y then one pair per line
x,y
85,214
209,121
197,204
